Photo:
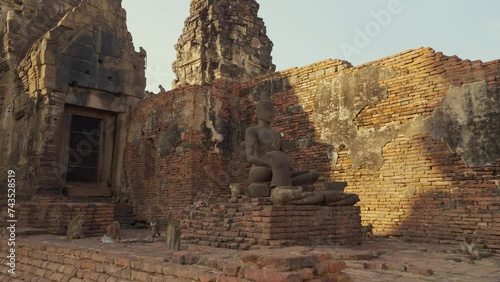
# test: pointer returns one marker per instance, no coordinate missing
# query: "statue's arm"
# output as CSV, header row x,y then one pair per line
x,y
282,149
250,143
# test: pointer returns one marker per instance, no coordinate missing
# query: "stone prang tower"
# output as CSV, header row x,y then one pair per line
x,y
222,39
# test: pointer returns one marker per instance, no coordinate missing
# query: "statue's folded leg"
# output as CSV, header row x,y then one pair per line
x,y
280,166
260,174
313,199
348,200
301,177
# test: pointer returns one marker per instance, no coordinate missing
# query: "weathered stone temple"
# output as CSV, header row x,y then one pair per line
x,y
414,135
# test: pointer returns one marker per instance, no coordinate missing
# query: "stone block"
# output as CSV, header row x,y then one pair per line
x,y
286,262
258,190
109,85
336,266
83,52
85,39
267,275
80,79
283,195
84,67
207,277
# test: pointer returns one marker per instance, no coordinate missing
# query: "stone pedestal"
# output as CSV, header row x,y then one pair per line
x,y
307,224
259,190
258,222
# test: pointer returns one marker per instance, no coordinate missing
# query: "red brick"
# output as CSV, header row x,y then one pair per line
x,y
260,275
231,268
121,261
336,266
139,276
208,277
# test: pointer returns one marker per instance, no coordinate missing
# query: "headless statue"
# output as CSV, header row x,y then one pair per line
x,y
264,150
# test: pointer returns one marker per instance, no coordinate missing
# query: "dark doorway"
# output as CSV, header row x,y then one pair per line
x,y
84,149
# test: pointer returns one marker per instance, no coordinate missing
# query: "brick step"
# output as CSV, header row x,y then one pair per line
x,y
125,220
215,227
215,237
91,200
202,239
124,214
123,209
62,260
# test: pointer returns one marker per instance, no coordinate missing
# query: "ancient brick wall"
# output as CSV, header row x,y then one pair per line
x,y
216,163
221,224
414,134
180,146
158,174
437,181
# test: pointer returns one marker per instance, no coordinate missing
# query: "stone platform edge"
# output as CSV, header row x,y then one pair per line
x,y
48,261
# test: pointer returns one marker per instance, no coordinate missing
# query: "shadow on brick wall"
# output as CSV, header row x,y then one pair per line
x,y
452,199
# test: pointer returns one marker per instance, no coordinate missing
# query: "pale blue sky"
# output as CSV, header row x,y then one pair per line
x,y
307,31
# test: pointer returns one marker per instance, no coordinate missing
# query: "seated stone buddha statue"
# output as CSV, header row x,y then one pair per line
x,y
270,165
264,150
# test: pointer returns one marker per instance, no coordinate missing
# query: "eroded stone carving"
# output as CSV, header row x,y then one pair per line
x,y
222,39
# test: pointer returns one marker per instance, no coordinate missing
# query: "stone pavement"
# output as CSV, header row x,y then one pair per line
x,y
381,259
397,260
